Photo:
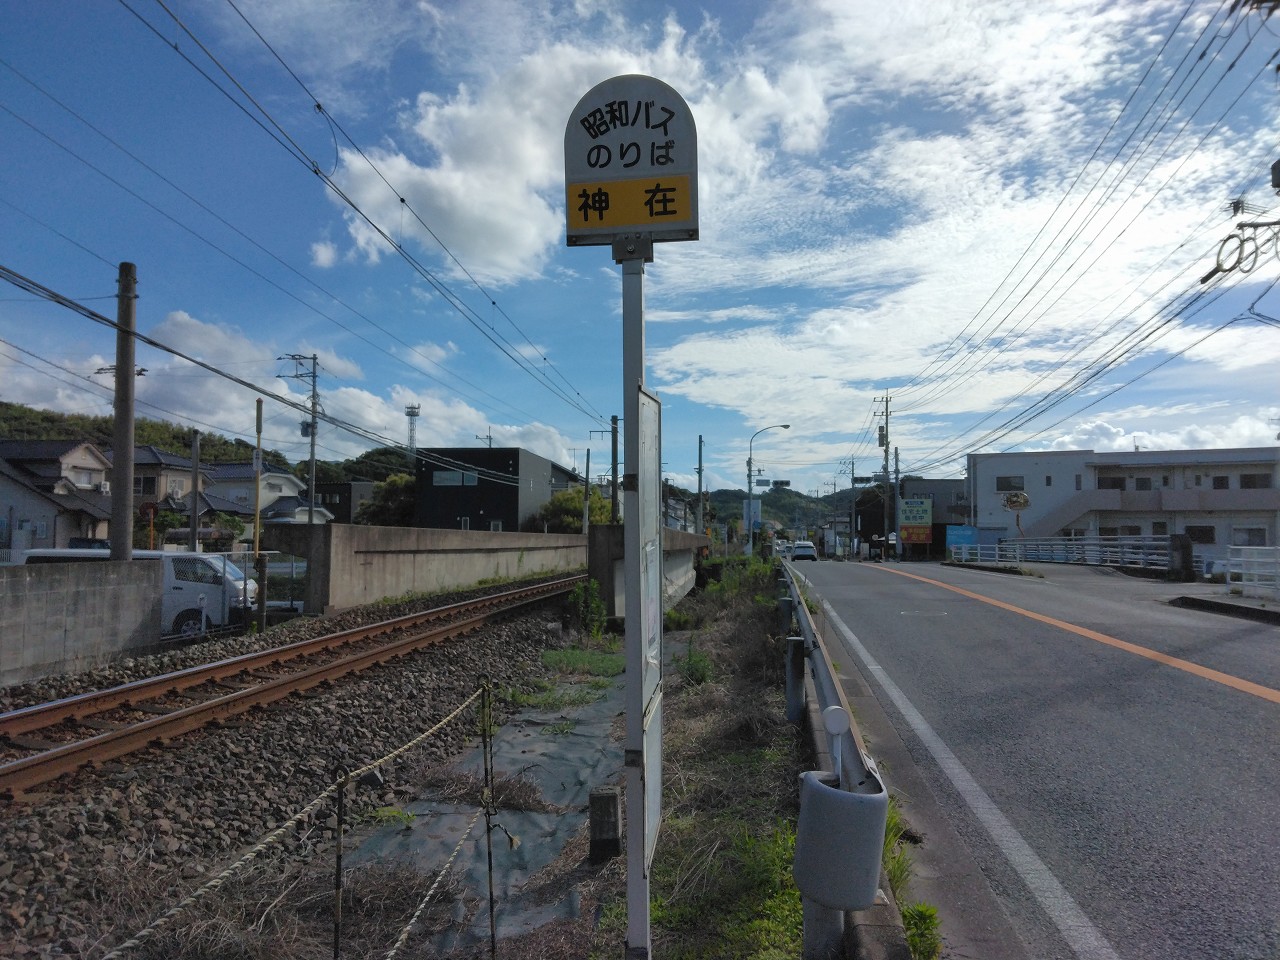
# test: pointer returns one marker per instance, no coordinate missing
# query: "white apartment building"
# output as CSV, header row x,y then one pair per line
x,y
1218,498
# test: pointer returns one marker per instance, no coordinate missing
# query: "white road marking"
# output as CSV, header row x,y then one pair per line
x,y
1077,929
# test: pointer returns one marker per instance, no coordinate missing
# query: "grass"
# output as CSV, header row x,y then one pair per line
x,y
594,663
721,884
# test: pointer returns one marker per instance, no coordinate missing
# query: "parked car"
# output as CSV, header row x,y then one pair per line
x,y
199,590
804,550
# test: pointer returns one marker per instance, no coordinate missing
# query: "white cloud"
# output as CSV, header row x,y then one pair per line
x,y
324,254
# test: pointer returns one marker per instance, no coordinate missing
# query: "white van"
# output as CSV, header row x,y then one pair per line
x,y
200,590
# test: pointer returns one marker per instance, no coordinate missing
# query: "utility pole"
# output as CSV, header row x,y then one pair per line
x,y
193,539
488,438
897,488
586,493
308,428
413,411
701,528
613,516
121,530
884,442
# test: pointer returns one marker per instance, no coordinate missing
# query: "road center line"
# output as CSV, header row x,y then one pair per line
x,y
1226,679
1076,928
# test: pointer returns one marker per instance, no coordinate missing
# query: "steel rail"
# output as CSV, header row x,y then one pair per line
x,y
39,716
19,776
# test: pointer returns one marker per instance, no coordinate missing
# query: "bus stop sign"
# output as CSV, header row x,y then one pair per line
x,y
630,164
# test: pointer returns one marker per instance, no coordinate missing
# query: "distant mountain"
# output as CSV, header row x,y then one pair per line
x,y
18,422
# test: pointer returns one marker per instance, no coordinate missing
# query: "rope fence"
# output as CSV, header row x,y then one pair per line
x,y
278,834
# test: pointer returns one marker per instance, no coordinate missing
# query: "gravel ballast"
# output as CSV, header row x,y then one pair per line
x,y
190,809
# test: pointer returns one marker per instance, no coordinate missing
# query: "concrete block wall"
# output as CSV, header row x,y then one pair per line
x,y
70,617
357,564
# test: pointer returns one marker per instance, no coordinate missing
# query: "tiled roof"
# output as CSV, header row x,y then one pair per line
x,y
240,471
37,449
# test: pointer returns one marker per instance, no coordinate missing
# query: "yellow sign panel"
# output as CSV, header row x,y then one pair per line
x,y
654,203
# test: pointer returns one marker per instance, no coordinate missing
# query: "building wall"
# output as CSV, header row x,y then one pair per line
x,y
1144,493
30,520
66,618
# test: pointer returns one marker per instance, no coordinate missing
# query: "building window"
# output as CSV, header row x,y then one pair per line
x,y
1159,528
1222,483
1009,484
1164,480
1255,481
144,486
1048,480
1108,531
1201,534
177,488
1198,479
1131,530
275,488
495,526
1111,483
1079,482
452,478
1249,537
1142,483
464,523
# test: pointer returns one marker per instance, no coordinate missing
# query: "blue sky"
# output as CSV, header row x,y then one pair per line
x,y
997,214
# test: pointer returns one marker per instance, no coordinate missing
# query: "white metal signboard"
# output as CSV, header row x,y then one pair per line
x,y
631,164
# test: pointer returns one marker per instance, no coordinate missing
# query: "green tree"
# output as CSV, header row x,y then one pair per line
x,y
563,512
391,504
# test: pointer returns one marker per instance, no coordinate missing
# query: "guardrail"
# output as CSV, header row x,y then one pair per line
x,y
1255,571
840,832
1148,552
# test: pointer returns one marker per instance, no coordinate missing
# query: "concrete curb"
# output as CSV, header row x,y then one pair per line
x,y
1231,608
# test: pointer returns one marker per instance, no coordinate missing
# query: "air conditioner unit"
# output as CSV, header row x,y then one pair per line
x,y
103,487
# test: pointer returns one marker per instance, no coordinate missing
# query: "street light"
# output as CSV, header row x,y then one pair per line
x,y
751,513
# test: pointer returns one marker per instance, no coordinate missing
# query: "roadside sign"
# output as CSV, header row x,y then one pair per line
x,y
915,520
630,164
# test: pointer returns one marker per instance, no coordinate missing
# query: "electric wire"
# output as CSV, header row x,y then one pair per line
x,y
518,417
300,154
32,286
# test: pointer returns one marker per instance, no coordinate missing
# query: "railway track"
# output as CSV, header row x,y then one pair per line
x,y
47,741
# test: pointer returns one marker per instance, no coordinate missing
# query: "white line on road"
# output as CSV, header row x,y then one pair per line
x,y
1076,928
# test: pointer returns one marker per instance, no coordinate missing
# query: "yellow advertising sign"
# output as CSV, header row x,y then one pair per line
x,y
655,202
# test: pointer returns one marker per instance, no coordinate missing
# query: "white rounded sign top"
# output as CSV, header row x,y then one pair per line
x,y
631,164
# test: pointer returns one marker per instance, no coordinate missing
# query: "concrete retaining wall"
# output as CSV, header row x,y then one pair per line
x,y
71,617
359,564
606,567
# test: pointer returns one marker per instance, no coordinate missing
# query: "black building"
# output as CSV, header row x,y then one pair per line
x,y
343,499
485,488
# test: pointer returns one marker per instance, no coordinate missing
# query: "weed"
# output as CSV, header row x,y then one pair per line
x,y
392,815
924,936
587,611
561,728
695,668
596,663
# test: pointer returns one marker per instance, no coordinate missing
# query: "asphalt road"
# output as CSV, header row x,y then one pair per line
x,y
1120,801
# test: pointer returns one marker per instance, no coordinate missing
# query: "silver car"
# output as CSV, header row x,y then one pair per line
x,y
804,550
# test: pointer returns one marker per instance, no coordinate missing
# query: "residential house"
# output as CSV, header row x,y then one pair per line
x,y
50,492
281,497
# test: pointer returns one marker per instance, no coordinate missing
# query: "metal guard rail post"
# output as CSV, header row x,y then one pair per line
x,y
840,833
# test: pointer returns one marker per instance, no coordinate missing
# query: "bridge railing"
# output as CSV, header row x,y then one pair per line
x,y
1149,552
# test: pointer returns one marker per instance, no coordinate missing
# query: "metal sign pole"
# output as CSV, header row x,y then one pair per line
x,y
631,178
632,259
